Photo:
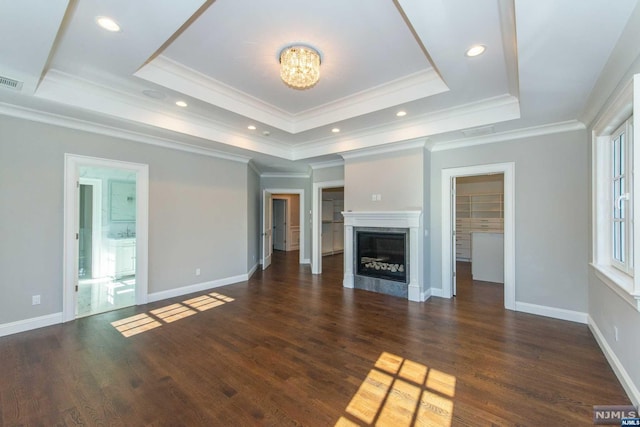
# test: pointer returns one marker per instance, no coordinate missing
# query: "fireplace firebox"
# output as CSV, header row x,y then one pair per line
x,y
382,254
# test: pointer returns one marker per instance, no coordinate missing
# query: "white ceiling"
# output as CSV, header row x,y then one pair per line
x,y
542,62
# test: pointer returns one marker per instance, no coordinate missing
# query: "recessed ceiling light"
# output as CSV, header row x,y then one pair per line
x,y
251,127
181,103
475,50
401,113
108,24
335,130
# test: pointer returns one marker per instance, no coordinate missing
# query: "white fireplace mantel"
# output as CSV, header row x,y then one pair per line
x,y
411,219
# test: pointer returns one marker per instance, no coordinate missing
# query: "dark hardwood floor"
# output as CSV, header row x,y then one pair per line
x,y
289,348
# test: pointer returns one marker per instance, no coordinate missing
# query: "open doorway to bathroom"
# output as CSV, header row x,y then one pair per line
x,y
105,235
106,269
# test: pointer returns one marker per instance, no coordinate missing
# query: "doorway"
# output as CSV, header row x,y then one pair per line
x,y
479,233
316,222
448,221
294,231
105,261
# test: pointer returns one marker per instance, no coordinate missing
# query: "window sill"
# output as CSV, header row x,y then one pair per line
x,y
619,282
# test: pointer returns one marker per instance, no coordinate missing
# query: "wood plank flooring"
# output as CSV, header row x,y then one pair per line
x,y
288,348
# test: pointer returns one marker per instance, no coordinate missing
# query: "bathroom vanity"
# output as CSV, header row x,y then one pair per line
x,y
121,260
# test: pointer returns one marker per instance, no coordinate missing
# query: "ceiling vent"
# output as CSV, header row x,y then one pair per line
x,y
7,83
484,130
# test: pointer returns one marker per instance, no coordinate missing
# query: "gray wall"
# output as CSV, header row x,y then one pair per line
x,y
397,177
294,183
334,173
551,220
197,213
254,218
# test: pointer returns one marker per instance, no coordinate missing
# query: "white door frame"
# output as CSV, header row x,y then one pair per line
x,y
96,224
508,169
72,165
300,192
316,222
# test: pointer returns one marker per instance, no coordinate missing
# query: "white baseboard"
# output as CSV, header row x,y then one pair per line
x,y
198,287
252,270
305,261
436,292
29,324
425,295
556,313
616,365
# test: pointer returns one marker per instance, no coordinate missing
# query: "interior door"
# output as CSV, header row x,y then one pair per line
x,y
453,236
267,245
279,224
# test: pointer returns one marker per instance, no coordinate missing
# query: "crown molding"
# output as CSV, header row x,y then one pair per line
x,y
253,167
547,129
87,126
70,90
391,148
406,89
175,76
327,164
480,113
284,175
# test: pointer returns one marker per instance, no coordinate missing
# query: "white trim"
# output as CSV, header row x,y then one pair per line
x,y
166,72
615,114
253,167
100,129
508,169
72,164
568,126
30,324
300,192
327,164
316,222
614,362
305,261
618,110
383,149
554,312
436,292
285,175
252,270
198,287
616,280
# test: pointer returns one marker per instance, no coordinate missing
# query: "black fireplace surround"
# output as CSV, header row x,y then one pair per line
x,y
382,254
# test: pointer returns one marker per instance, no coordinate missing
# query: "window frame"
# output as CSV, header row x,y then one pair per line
x,y
617,116
624,199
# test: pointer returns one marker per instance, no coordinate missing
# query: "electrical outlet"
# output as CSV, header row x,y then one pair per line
x,y
373,198
35,300
615,333
197,271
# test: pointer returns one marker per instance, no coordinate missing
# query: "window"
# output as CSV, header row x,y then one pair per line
x,y
621,167
614,161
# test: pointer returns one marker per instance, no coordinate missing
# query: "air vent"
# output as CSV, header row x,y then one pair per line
x,y
484,130
8,83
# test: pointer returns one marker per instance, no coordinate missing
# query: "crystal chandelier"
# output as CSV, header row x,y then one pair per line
x,y
300,66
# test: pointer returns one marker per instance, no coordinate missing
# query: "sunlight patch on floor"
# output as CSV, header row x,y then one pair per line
x,y
146,321
401,392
